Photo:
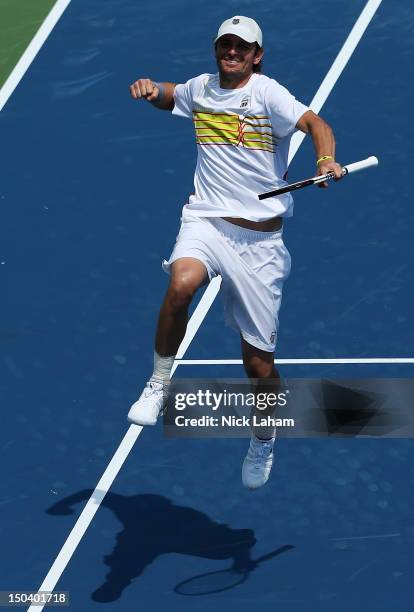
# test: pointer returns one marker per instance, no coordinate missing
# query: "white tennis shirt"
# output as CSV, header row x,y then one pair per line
x,y
243,138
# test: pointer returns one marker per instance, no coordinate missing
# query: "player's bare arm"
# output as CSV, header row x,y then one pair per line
x,y
161,95
323,142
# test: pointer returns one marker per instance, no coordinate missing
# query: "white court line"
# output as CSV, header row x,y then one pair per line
x,y
337,67
362,360
88,513
32,50
91,507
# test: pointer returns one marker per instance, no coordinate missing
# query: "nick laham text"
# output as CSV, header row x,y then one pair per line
x,y
232,421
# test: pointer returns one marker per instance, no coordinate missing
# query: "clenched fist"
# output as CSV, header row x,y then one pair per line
x,y
329,166
144,88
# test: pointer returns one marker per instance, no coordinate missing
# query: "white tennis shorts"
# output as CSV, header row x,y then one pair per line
x,y
253,266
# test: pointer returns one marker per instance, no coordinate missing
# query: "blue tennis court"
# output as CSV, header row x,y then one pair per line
x,y
91,195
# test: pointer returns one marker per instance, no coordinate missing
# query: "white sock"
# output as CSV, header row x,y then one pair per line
x,y
162,368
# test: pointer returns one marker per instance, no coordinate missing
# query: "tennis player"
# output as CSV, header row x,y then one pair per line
x,y
243,123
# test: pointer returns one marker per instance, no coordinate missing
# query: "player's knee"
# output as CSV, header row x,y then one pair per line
x,y
256,367
180,293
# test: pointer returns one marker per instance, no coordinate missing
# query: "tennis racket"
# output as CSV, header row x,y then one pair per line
x,y
360,165
223,580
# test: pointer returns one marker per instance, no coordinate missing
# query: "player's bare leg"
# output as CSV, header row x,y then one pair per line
x,y
187,275
259,365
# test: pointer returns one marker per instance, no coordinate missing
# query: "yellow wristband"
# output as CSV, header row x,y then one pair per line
x,y
324,158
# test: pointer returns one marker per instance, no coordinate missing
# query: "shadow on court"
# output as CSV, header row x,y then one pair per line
x,y
153,526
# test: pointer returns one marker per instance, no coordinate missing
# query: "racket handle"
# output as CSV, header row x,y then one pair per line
x,y
361,165
326,177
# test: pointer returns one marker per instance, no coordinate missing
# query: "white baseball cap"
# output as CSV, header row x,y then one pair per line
x,y
244,27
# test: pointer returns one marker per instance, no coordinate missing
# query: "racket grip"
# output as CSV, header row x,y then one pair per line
x,y
361,165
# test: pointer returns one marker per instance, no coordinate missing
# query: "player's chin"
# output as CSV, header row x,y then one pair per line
x,y
230,68
234,74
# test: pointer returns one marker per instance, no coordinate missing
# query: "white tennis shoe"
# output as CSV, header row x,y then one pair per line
x,y
150,405
257,463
